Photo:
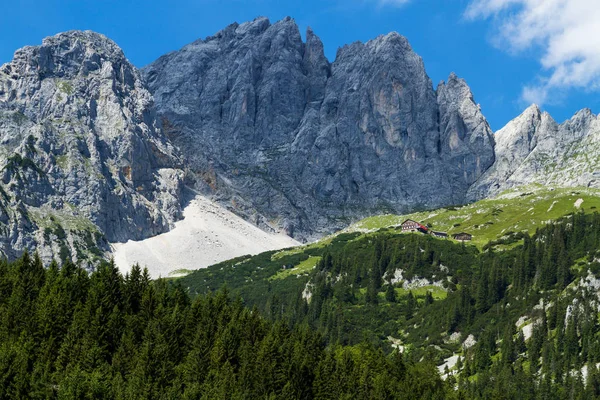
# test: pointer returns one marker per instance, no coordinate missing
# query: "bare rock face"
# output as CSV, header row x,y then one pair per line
x,y
534,149
269,127
81,158
467,145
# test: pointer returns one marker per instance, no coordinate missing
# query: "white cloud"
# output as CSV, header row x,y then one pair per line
x,y
567,32
537,94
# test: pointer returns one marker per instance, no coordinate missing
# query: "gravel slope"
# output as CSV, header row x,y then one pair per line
x,y
208,234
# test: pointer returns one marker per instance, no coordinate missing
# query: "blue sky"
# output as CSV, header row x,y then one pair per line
x,y
505,57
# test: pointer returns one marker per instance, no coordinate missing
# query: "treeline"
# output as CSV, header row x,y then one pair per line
x,y
543,266
559,361
67,334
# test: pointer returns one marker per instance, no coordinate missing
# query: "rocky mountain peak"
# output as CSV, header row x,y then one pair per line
x,y
525,125
291,141
255,27
466,139
81,149
66,55
264,124
455,89
391,46
314,51
580,121
392,40
533,148
532,109
316,67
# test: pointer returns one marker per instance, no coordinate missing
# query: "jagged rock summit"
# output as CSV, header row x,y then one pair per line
x,y
82,160
278,133
534,149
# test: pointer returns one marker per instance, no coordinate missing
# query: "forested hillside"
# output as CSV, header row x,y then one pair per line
x,y
361,316
519,323
67,335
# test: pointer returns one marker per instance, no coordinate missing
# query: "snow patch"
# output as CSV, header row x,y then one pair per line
x,y
578,203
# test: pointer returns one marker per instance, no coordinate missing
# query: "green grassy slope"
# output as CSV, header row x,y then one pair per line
x,y
524,209
276,281
506,311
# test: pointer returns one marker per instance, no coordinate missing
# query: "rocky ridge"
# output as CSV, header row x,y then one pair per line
x,y
535,149
279,134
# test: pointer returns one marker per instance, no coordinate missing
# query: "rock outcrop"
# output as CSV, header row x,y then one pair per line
x,y
468,142
81,158
277,133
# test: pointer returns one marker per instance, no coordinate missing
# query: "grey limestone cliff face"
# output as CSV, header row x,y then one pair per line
x,y
467,139
535,149
81,158
272,129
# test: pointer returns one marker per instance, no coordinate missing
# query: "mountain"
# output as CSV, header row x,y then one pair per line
x,y
264,123
272,129
533,148
96,152
82,160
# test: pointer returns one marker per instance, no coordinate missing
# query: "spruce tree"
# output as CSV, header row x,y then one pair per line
x,y
390,293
